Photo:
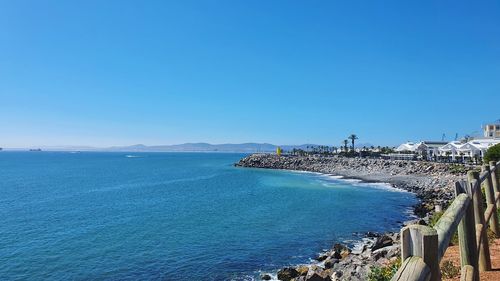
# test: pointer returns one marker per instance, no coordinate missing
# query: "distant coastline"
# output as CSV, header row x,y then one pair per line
x,y
185,147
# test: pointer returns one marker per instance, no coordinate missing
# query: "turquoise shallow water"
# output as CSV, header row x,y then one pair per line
x,y
173,216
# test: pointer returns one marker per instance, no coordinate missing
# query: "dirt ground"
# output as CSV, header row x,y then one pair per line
x,y
453,255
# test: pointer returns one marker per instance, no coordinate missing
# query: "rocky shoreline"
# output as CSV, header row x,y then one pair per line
x,y
431,182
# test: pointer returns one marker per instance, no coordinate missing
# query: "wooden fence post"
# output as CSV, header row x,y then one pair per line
x,y
484,260
467,275
495,177
496,185
421,241
490,200
467,234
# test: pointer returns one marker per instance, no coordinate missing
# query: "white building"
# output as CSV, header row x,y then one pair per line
x,y
427,150
450,149
492,130
477,148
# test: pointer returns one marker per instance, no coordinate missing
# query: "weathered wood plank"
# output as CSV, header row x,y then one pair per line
x,y
484,260
487,214
490,200
448,223
467,274
421,241
413,269
466,234
483,176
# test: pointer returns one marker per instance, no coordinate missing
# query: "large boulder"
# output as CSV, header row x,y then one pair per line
x,y
340,251
382,241
302,270
329,263
319,275
287,274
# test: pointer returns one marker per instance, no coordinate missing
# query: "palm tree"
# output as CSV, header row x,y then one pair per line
x,y
345,145
353,137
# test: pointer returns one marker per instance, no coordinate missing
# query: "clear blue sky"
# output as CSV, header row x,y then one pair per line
x,y
286,72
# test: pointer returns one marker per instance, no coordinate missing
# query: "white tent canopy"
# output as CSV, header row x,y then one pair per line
x,y
407,146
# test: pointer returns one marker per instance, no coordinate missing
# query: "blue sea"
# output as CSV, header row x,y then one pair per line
x,y
174,216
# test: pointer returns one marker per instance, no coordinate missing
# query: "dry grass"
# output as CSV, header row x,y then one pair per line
x,y
453,256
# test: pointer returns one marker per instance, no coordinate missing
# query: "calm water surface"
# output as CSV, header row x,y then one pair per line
x,y
173,216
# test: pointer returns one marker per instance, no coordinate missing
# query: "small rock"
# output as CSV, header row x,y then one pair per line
x,y
370,234
322,257
265,277
379,253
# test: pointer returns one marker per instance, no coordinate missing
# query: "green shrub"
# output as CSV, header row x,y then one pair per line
x,y
433,221
435,218
384,273
492,154
458,169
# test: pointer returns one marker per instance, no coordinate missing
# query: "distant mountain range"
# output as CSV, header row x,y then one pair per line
x,y
190,147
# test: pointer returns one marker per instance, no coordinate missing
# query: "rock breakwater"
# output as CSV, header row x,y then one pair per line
x,y
432,182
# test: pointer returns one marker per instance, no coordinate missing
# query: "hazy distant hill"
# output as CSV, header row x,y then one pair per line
x,y
189,147
199,147
206,147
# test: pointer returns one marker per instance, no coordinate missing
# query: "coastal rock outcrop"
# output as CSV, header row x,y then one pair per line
x,y
431,182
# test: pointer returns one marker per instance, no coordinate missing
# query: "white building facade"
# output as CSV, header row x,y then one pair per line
x,y
492,130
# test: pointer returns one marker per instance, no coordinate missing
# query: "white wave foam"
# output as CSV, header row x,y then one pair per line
x,y
133,156
358,182
383,186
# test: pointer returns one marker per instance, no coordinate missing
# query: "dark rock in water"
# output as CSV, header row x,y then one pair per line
x,y
266,277
287,274
322,257
370,234
381,242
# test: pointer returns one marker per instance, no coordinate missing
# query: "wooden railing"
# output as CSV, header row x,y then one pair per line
x,y
423,247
